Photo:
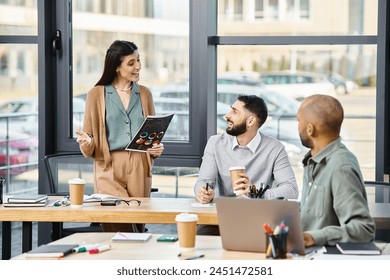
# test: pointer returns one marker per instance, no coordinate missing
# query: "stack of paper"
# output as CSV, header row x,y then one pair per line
x,y
359,248
26,200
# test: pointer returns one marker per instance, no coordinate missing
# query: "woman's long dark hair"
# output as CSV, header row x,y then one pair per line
x,y
114,57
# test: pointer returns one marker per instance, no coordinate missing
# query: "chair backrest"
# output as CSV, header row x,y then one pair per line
x,y
378,191
63,166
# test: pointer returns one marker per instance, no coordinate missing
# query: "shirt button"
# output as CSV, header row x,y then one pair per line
x,y
315,186
128,133
127,122
310,184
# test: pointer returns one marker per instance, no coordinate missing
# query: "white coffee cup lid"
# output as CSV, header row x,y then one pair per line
x,y
76,181
236,168
186,217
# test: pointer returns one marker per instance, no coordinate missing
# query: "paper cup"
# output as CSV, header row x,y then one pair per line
x,y
234,174
186,229
76,192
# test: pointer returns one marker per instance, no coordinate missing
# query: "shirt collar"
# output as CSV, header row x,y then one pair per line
x,y
324,153
110,89
252,145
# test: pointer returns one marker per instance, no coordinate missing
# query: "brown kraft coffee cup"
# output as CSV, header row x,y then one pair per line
x,y
76,192
234,174
186,229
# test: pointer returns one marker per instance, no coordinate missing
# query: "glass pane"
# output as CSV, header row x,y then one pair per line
x,y
174,181
18,17
19,117
284,75
297,17
159,29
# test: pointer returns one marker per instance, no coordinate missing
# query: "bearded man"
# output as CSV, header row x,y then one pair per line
x,y
265,159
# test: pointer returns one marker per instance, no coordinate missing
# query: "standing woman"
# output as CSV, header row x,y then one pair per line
x,y
115,109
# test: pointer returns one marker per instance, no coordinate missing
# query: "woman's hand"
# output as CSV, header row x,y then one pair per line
x,y
82,137
156,150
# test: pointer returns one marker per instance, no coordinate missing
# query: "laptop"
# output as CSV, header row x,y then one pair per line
x,y
241,223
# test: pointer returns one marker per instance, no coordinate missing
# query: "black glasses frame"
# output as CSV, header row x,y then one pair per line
x,y
128,202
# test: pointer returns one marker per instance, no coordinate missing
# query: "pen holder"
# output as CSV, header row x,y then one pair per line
x,y
276,245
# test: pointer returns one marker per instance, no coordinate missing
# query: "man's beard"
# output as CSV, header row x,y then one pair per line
x,y
306,141
237,129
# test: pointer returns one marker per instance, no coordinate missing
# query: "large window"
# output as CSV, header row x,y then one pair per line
x,y
297,17
19,96
291,71
159,29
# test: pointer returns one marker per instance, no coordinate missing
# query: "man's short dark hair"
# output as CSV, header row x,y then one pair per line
x,y
255,105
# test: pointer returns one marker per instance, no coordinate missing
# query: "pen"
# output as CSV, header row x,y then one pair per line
x,y
122,234
264,190
195,257
57,203
85,248
209,185
100,249
268,229
260,190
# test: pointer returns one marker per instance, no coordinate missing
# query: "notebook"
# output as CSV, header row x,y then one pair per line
x,y
27,198
241,223
51,251
358,248
131,237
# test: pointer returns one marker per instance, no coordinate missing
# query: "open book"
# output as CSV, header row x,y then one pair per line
x,y
99,197
151,132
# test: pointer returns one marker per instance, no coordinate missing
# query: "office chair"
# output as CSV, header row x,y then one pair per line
x,y
59,169
380,191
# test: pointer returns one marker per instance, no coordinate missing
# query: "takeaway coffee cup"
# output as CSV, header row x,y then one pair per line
x,y
234,174
186,229
76,192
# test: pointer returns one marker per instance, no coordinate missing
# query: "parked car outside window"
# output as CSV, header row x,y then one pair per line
x,y
22,114
297,85
281,123
342,85
22,150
